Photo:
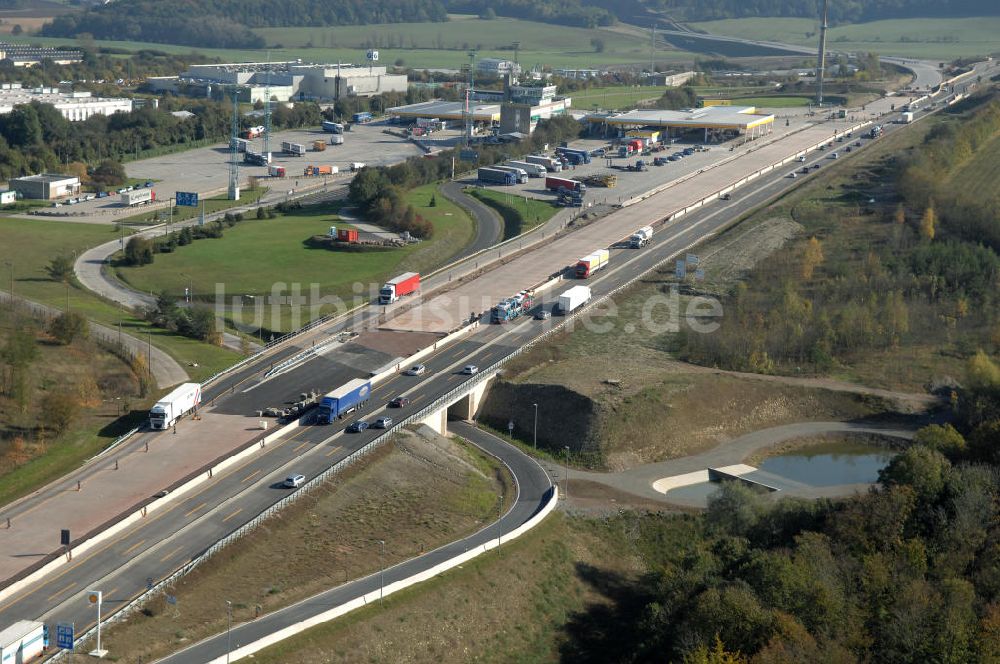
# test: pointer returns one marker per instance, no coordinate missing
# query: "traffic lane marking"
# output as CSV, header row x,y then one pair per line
x,y
333,451
171,554
237,511
61,591
133,547
250,476
195,509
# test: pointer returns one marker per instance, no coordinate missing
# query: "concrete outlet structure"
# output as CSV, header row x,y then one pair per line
x,y
464,406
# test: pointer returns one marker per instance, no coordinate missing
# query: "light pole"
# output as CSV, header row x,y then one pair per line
x,y
381,571
535,432
10,264
95,597
499,518
229,629
566,447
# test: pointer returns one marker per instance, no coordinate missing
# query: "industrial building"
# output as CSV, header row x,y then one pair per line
x,y
285,81
47,186
24,55
74,106
515,109
497,67
717,122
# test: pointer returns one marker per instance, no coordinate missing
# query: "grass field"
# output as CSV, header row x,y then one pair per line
x,y
616,97
519,213
425,45
212,205
416,495
278,245
982,172
935,38
29,245
772,102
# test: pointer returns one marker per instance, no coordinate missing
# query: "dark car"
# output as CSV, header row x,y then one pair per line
x,y
357,427
399,402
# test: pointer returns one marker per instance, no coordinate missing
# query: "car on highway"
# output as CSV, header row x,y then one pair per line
x,y
725,197
833,155
599,152
793,175
857,144
543,314
805,169
802,158
383,422
470,369
399,402
357,426
673,157
293,481
416,370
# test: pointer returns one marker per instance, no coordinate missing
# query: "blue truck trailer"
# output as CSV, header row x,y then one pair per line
x,y
575,156
333,127
497,176
345,399
363,116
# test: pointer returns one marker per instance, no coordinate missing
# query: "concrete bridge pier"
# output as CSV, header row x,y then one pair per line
x,y
464,407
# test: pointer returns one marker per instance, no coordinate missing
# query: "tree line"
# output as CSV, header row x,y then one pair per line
x,y
576,13
229,23
867,278
36,137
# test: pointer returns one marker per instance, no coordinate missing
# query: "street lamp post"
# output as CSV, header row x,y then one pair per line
x,y
95,597
535,431
381,572
229,629
566,447
499,519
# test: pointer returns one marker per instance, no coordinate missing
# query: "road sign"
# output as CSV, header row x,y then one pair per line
x,y
64,635
187,198
64,539
171,599
699,275
469,155
692,260
510,427
680,271
372,55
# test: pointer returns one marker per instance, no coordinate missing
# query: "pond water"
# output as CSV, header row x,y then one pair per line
x,y
693,494
829,464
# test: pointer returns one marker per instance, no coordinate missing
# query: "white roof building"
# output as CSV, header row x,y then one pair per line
x,y
74,106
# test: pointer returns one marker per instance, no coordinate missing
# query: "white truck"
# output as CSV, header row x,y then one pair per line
x,y
519,173
137,197
165,413
548,163
641,237
906,118
533,170
294,149
573,298
335,139
357,166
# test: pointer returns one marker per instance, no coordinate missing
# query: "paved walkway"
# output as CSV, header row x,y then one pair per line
x,y
166,371
639,481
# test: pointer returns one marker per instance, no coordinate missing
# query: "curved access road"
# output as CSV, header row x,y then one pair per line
x,y
489,226
533,493
639,481
165,369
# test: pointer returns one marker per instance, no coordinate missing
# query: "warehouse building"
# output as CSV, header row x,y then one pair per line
x,y
24,55
716,122
497,67
74,106
46,187
285,81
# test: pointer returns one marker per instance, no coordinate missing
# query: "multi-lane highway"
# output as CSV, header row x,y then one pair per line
x,y
124,565
175,534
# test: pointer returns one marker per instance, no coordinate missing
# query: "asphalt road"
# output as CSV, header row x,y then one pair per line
x,y
158,546
174,535
533,488
489,226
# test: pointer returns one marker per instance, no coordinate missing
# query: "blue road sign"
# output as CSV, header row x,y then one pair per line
x,y
468,155
64,635
187,198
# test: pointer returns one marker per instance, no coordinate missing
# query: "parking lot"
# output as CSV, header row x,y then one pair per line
x,y
636,183
206,170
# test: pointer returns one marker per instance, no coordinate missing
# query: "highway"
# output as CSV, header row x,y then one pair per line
x,y
174,535
533,488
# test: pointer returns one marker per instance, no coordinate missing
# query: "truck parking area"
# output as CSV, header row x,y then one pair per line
x,y
206,170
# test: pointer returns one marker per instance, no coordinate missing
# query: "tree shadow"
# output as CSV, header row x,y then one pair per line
x,y
609,630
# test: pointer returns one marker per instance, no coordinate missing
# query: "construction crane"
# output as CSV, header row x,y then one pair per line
x,y
234,153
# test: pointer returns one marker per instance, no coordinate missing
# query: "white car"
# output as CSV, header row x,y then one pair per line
x,y
833,155
793,175
293,481
802,158
416,370
470,369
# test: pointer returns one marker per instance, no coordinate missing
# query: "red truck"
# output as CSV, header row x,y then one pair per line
x,y
636,145
555,184
399,286
347,235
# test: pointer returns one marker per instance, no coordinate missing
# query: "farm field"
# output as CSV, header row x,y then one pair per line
x,y
29,244
236,259
982,172
772,102
934,38
424,45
